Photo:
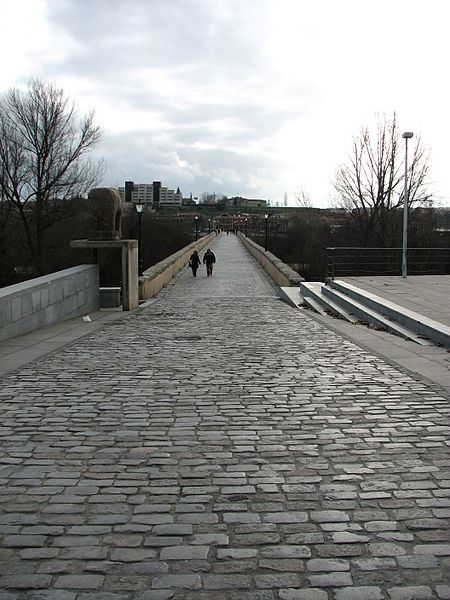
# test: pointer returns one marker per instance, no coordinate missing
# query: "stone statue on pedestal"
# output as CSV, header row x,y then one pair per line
x,y
105,214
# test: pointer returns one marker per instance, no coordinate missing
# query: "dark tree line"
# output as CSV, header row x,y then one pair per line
x,y
304,243
160,238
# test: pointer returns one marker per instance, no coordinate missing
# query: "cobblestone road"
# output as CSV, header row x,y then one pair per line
x,y
219,444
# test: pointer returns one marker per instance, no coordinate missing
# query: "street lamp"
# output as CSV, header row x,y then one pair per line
x,y
139,206
245,225
406,135
267,230
196,227
209,225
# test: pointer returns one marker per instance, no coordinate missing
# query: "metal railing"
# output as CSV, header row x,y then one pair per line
x,y
357,262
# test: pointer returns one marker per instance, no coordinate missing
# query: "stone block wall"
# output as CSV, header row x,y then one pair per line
x,y
279,271
47,300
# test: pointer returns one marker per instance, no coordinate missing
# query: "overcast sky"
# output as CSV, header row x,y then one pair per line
x,y
256,98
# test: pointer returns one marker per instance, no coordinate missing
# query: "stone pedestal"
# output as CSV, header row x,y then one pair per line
x,y
130,290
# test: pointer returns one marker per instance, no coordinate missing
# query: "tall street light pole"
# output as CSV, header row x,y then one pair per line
x,y
267,231
406,135
196,227
139,209
245,222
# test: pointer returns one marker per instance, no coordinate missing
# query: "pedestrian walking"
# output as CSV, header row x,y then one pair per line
x,y
194,262
209,259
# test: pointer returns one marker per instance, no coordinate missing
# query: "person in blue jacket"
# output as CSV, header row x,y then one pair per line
x,y
209,259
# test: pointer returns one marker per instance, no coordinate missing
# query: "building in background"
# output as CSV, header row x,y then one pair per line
x,y
152,194
239,202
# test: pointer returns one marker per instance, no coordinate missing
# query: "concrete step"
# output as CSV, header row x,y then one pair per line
x,y
413,321
315,305
315,299
291,295
370,315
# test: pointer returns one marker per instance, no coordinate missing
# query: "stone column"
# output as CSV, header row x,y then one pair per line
x,y
130,289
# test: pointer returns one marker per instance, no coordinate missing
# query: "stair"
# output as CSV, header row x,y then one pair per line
x,y
419,324
353,306
314,297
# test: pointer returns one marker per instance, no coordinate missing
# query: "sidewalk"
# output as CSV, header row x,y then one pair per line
x,y
219,445
20,351
426,295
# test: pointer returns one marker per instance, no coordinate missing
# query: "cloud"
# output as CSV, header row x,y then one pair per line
x,y
260,96
187,84
208,36
139,157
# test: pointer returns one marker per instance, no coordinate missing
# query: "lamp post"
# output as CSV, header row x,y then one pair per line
x,y
209,225
406,135
196,227
139,209
245,226
267,230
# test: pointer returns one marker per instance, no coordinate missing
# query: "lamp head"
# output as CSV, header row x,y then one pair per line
x,y
139,207
407,134
266,216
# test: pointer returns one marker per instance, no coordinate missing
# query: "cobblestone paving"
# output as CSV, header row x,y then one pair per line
x,y
221,445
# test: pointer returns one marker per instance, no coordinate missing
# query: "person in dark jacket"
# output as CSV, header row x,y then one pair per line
x,y
194,262
209,259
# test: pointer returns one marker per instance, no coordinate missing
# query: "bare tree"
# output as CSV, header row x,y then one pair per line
x,y
303,199
371,185
5,230
43,158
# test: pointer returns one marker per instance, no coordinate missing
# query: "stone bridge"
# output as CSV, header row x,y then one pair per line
x,y
220,444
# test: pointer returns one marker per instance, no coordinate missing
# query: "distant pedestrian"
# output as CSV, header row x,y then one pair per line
x,y
194,262
209,259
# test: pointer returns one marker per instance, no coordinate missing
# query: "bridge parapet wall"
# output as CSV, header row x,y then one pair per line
x,y
47,300
159,275
279,271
